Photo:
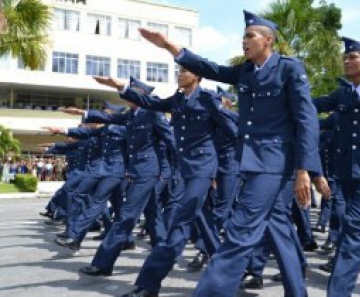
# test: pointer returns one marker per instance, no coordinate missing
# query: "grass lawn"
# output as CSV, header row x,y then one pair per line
x,y
8,188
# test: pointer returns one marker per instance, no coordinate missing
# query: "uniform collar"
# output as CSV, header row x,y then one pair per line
x,y
136,111
258,68
357,89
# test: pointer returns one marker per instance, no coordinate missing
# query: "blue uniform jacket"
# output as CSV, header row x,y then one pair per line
x,y
226,150
278,125
113,145
347,107
194,123
143,134
74,152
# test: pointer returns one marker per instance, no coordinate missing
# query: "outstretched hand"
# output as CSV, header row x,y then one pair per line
x,y
110,82
160,41
72,111
55,130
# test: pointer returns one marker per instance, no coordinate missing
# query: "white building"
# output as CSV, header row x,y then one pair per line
x,y
90,37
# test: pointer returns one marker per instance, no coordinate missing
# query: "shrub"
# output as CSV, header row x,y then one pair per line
x,y
26,182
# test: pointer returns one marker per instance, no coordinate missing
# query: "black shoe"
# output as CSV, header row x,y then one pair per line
x,y
198,262
68,242
277,277
140,293
318,229
251,281
328,246
95,228
62,235
47,214
101,236
143,233
327,267
129,246
94,271
56,222
310,247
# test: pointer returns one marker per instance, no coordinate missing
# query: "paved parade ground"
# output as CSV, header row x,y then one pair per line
x,y
32,265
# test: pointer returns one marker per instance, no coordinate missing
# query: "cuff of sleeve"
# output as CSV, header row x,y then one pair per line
x,y
123,90
180,56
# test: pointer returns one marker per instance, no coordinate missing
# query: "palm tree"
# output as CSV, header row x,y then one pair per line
x,y
310,34
23,28
8,144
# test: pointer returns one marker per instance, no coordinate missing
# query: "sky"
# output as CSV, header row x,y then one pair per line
x,y
221,26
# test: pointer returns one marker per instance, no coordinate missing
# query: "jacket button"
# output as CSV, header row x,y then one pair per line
x,y
181,149
247,136
183,127
249,123
354,147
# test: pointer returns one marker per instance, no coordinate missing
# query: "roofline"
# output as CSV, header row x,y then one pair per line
x,y
165,5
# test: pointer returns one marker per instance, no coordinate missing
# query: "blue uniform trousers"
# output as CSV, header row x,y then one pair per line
x,y
153,213
337,211
78,196
104,189
57,204
325,213
228,187
301,217
260,209
347,259
164,255
138,195
261,252
171,201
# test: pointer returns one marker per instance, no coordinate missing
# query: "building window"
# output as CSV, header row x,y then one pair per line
x,y
97,66
159,28
129,29
157,72
183,36
67,20
176,72
65,62
125,68
99,24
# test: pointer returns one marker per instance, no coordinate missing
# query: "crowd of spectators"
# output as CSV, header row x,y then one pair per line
x,y
45,169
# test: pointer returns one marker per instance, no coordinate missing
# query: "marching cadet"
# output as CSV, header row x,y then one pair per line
x,y
196,114
144,130
278,137
330,137
227,182
346,102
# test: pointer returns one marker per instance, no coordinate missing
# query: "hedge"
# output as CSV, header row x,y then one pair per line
x,y
26,182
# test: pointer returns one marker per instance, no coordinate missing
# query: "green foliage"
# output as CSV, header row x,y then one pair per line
x,y
27,36
310,34
8,188
26,182
8,144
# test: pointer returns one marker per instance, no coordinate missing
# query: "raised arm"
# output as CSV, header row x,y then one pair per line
x,y
129,94
194,63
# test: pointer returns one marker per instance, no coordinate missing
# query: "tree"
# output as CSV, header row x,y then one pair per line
x,y
24,26
310,34
8,144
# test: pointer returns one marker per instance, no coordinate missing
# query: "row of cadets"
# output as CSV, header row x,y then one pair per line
x,y
144,131
103,181
274,102
196,114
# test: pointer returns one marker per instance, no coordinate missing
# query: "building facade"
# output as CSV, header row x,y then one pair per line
x,y
90,37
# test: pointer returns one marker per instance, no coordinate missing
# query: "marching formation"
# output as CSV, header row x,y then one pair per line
x,y
233,182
